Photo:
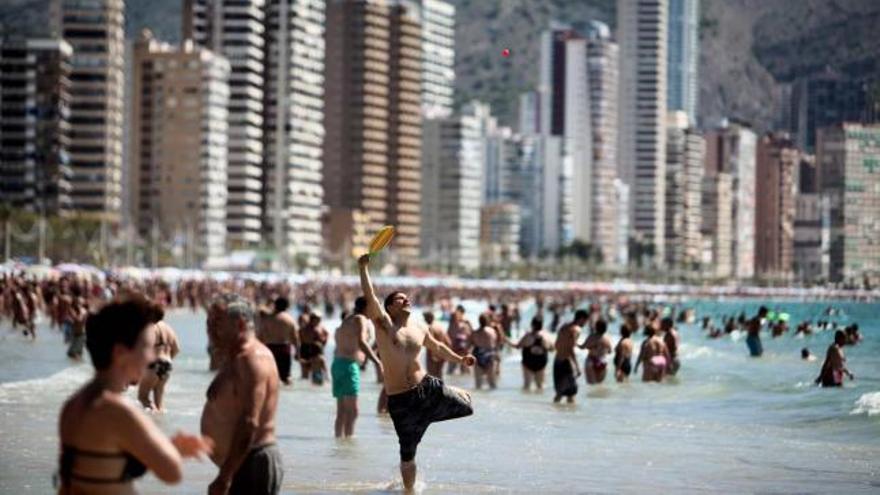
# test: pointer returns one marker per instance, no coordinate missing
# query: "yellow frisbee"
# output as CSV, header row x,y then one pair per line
x,y
381,239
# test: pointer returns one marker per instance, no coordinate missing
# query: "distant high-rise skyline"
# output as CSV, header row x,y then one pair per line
x,y
437,19
685,155
778,162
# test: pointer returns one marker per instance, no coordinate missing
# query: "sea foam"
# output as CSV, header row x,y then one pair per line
x,y
868,404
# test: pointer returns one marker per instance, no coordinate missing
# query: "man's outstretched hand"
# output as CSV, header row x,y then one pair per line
x,y
469,360
364,260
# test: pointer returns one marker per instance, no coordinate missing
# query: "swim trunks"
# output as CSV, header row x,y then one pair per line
x,y
485,357
414,410
346,376
261,473
564,380
755,347
281,352
310,351
162,368
626,367
77,343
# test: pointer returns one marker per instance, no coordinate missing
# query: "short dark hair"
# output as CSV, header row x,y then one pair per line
x,y
625,331
762,311
118,322
581,315
390,299
429,317
360,305
667,323
537,323
281,304
601,326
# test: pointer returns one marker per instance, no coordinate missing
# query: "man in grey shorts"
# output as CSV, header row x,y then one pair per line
x,y
242,401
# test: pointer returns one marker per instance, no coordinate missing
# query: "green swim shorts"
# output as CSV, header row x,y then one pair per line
x,y
346,377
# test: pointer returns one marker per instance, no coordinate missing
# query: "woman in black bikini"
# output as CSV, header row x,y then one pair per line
x,y
106,443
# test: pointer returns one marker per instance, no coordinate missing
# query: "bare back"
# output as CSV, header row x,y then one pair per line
x,y
278,328
566,341
349,335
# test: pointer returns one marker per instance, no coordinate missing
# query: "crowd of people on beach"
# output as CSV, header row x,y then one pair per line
x,y
255,338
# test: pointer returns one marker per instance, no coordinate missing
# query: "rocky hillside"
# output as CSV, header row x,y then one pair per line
x,y
748,46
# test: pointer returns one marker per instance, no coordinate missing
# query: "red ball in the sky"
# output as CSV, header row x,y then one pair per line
x,y
505,53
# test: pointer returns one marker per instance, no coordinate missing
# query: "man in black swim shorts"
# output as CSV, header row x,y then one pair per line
x,y
415,399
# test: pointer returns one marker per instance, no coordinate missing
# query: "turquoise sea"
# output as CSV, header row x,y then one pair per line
x,y
728,423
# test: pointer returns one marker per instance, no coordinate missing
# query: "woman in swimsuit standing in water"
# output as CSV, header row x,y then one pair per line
x,y
106,443
535,345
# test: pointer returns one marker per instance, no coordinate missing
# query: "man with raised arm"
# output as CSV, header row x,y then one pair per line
x,y
415,399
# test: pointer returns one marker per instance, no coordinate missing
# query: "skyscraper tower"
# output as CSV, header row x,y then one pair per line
x,y
642,29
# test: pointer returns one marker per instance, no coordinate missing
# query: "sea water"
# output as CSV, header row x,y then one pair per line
x,y
728,423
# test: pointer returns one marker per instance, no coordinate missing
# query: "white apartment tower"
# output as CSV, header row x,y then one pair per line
x,y
642,31
236,29
293,132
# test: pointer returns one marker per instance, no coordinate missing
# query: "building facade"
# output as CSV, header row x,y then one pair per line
x,y
372,117
293,133
778,163
731,148
685,155
499,235
35,172
717,225
683,57
848,164
236,30
824,100
179,146
438,55
642,35
453,157
96,32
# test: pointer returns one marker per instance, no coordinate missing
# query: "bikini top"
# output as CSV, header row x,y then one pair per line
x,y
133,468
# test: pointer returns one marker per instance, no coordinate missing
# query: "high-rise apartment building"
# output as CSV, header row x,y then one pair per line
x,y
685,150
717,225
179,142
731,148
499,234
453,156
602,84
236,29
824,100
35,172
848,163
96,31
683,57
778,163
372,121
293,131
438,55
642,35
812,226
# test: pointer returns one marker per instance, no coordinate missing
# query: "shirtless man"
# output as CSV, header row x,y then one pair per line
x,y
433,362
753,327
459,332
239,415
79,315
351,341
415,399
565,367
671,339
598,346
834,366
314,338
485,348
278,332
159,371
623,355
654,355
